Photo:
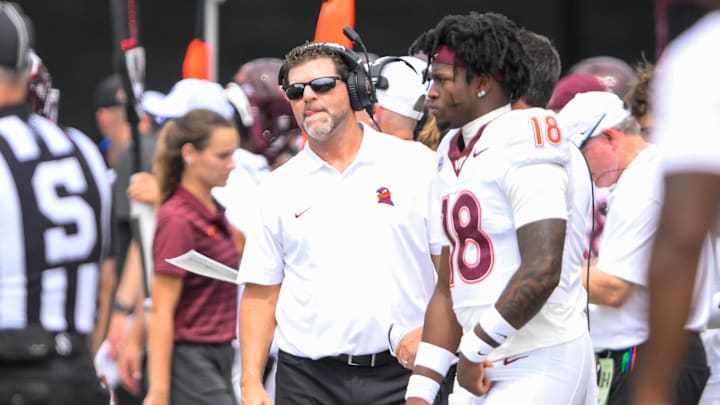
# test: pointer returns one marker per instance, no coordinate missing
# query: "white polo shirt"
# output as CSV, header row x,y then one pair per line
x,y
352,250
633,213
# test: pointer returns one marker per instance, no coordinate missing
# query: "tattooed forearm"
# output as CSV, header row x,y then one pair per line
x,y
541,251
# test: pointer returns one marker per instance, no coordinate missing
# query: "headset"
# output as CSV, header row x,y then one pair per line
x,y
379,81
360,87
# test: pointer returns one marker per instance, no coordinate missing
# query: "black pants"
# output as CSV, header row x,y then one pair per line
x,y
692,375
330,382
51,379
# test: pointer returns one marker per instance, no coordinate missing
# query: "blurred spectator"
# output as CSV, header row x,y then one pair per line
x,y
264,117
545,67
43,97
614,73
618,156
570,85
638,98
110,117
400,95
126,336
427,131
192,321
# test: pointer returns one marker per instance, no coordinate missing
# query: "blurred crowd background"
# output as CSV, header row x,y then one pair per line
x,y
79,32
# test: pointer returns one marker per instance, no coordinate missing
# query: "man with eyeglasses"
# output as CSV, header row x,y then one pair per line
x,y
342,269
620,157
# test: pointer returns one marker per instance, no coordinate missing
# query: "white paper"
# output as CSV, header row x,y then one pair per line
x,y
106,366
197,263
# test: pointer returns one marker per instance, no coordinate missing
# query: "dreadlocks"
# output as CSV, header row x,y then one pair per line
x,y
487,43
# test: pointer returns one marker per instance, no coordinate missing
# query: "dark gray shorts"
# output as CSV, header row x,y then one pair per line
x,y
202,374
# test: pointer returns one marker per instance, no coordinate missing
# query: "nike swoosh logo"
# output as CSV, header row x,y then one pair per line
x,y
508,360
299,214
478,152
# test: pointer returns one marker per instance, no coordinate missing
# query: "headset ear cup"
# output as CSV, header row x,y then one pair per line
x,y
364,90
353,90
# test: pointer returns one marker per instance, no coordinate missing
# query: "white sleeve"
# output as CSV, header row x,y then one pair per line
x,y
536,192
262,261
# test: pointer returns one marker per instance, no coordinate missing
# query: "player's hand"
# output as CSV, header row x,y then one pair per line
x,y
415,401
130,364
408,346
254,394
471,376
116,332
144,188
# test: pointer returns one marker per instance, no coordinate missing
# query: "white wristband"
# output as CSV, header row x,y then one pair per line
x,y
474,348
422,387
496,327
436,358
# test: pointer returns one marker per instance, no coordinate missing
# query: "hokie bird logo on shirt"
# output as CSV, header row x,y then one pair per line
x,y
383,195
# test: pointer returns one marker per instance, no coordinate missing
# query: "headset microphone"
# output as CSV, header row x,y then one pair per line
x,y
354,37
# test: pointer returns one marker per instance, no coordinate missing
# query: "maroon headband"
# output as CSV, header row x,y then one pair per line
x,y
447,56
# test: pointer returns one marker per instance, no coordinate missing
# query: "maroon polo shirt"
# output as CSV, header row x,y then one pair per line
x,y
206,310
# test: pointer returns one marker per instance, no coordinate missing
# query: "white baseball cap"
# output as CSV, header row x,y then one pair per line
x,y
587,114
187,95
404,84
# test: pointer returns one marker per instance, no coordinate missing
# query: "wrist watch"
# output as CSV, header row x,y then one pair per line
x,y
117,306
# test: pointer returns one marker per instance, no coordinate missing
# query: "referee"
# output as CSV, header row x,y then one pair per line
x,y
55,205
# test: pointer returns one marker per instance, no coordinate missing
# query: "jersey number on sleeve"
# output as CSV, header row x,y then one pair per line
x,y
471,253
546,129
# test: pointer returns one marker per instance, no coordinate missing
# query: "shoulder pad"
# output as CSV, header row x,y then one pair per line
x,y
532,136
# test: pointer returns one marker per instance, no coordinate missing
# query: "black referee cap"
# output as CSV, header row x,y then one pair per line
x,y
16,37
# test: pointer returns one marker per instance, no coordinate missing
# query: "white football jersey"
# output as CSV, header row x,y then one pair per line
x,y
478,187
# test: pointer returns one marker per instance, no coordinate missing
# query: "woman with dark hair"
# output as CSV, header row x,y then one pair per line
x,y
192,322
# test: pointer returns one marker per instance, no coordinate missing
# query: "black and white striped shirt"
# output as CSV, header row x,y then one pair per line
x,y
54,225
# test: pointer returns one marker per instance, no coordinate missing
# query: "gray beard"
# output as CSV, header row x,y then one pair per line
x,y
321,131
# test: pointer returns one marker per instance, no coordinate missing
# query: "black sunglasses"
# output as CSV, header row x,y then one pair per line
x,y
320,85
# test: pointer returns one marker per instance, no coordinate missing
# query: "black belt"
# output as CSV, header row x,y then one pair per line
x,y
365,360
34,343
